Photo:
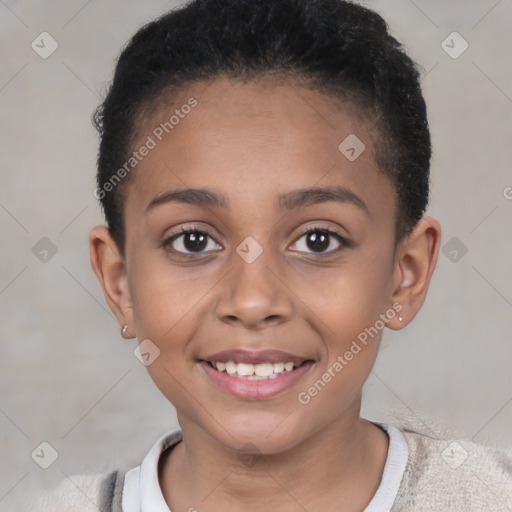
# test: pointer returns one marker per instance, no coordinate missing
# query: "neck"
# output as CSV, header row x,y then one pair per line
x,y
342,464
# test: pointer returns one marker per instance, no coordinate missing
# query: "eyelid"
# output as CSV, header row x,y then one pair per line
x,y
341,239
188,228
193,228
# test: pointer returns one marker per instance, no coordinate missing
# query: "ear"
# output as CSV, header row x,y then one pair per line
x,y
415,261
109,267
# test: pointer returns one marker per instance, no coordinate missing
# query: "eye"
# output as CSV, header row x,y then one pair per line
x,y
191,241
319,241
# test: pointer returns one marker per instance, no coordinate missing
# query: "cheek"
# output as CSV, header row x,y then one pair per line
x,y
165,297
167,310
347,306
349,298
348,302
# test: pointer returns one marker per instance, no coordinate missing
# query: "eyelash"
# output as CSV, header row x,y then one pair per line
x,y
344,243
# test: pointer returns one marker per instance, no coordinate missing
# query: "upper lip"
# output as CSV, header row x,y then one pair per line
x,y
255,357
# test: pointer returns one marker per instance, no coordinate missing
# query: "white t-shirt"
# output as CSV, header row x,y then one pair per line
x,y
142,493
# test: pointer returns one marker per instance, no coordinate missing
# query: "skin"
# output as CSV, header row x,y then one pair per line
x,y
252,142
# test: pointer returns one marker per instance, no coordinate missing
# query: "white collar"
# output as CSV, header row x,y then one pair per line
x,y
396,461
142,492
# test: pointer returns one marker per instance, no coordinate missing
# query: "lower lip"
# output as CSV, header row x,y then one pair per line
x,y
255,389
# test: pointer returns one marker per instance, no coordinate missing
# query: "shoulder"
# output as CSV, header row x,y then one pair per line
x,y
453,474
84,492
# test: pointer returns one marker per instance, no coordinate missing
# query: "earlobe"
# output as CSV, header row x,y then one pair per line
x,y
109,267
415,263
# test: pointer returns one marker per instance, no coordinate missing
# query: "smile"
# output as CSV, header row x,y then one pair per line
x,y
260,371
254,376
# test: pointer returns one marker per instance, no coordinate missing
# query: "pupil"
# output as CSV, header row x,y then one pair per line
x,y
318,241
195,242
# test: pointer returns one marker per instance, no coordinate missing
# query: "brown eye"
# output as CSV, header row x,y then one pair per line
x,y
191,241
320,241
317,241
194,241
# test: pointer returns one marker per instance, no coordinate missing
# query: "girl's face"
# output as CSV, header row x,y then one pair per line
x,y
287,257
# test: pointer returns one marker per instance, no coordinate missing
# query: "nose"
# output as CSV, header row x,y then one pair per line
x,y
253,296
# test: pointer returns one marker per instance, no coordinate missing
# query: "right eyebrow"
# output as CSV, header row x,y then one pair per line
x,y
196,196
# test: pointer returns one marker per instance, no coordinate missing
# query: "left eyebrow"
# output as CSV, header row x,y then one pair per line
x,y
288,201
309,196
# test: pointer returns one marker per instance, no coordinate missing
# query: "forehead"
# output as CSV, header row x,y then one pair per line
x,y
258,139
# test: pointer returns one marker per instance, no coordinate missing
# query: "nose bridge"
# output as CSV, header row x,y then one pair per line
x,y
253,296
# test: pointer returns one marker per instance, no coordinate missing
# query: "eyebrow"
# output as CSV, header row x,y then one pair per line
x,y
195,196
288,201
310,196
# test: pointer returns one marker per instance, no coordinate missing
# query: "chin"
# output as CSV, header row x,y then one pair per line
x,y
269,437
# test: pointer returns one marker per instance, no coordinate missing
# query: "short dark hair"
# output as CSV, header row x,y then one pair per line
x,y
338,47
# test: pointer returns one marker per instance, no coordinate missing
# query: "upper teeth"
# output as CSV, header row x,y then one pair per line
x,y
256,370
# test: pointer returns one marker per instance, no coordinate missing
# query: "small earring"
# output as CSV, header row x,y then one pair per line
x,y
400,318
123,331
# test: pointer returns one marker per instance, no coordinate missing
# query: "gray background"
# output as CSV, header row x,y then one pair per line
x,y
68,378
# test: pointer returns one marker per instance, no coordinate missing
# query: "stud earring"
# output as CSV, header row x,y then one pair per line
x,y
400,318
123,331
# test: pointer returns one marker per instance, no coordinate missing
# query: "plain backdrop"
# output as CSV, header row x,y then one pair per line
x,y
68,379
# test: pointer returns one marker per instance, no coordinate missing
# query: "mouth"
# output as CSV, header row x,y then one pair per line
x,y
259,371
255,375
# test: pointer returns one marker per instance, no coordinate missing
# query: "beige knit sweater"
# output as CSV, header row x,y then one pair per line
x,y
441,475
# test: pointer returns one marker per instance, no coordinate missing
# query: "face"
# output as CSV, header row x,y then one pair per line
x,y
275,268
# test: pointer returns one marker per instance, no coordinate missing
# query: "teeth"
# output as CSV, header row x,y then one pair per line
x,y
245,369
250,371
278,367
263,369
231,367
